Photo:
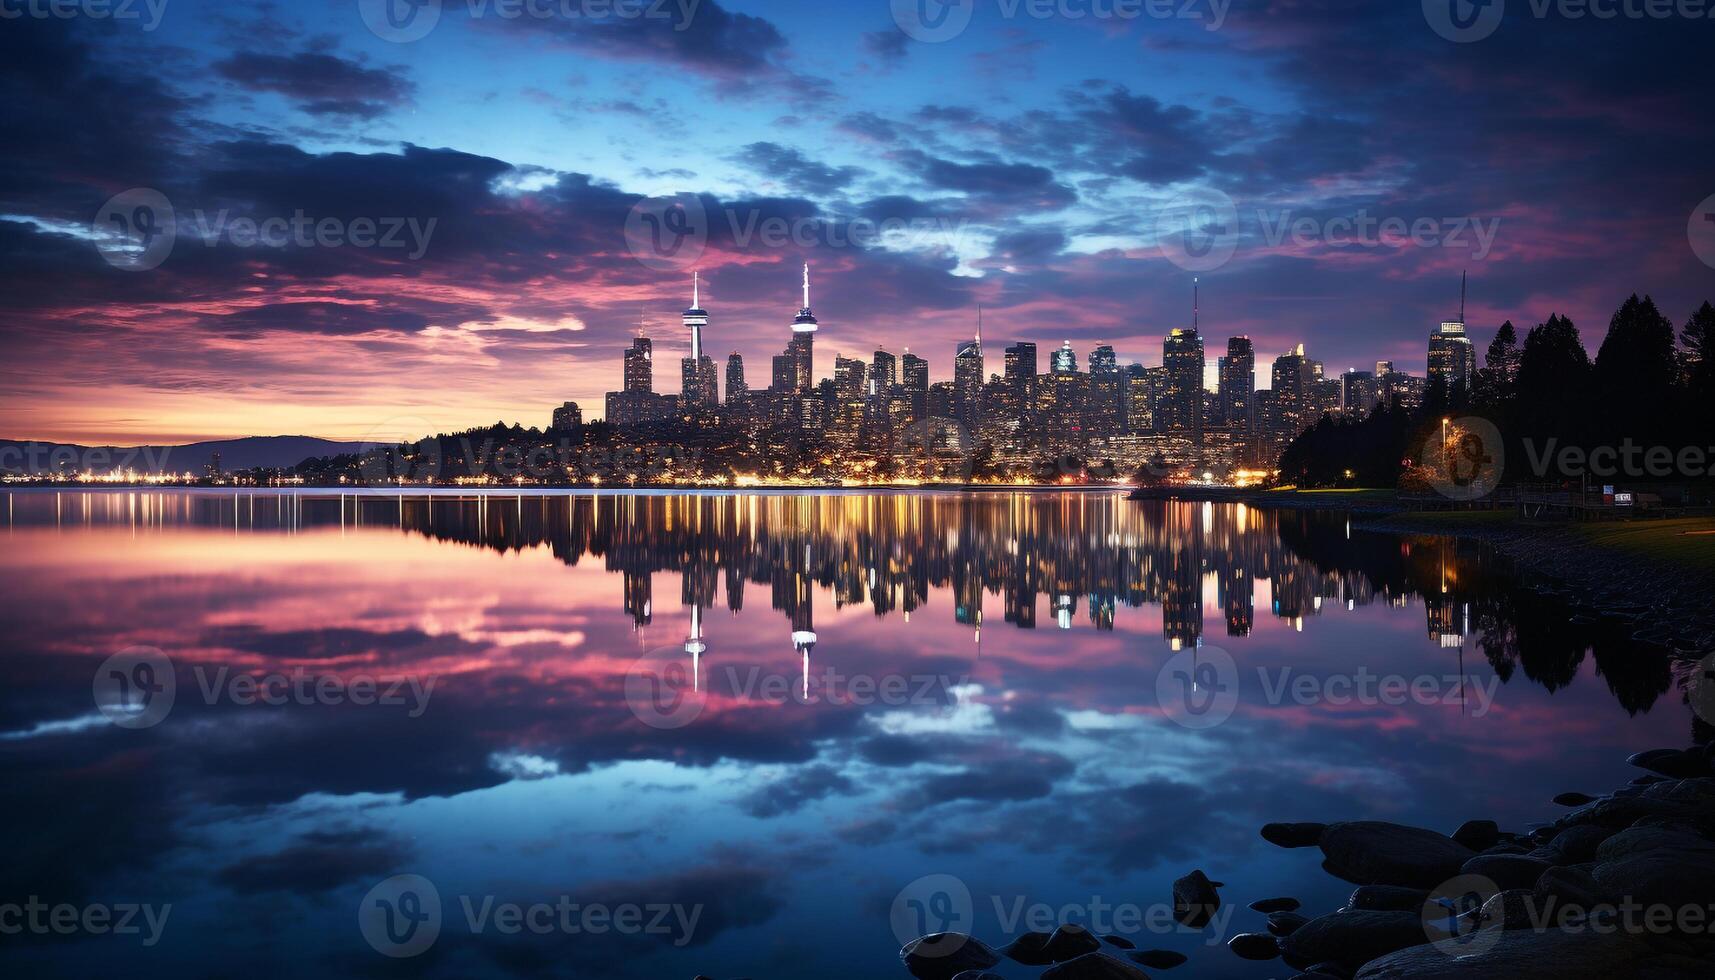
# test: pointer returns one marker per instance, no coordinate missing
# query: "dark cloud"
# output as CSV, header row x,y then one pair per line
x,y
887,47
795,170
318,83
793,790
318,862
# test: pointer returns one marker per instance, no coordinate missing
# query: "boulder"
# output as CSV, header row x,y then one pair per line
x,y
1094,966
1575,845
1195,900
1478,835
1293,834
1387,898
1254,946
978,975
1512,909
1507,870
1285,923
1569,886
1267,905
1657,867
1120,941
1528,955
1672,763
1159,959
1029,949
1375,853
1069,942
945,955
1573,799
1352,938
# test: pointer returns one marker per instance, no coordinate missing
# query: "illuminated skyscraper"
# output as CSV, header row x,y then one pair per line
x,y
968,378
1181,407
1237,383
736,388
1452,356
915,371
883,373
639,365
700,386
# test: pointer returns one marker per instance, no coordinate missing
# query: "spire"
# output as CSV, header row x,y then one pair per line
x,y
979,326
697,290
806,285
1461,297
1196,302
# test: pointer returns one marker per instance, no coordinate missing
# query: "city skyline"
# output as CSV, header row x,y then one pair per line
x,y
1037,193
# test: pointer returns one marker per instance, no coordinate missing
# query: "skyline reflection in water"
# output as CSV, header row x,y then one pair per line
x,y
888,685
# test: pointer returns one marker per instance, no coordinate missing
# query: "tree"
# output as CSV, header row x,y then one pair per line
x,y
1553,379
1699,340
1497,382
1637,373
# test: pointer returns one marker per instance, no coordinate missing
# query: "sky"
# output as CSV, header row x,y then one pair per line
x,y
470,208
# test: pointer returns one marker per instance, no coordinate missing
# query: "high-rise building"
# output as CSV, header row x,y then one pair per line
x,y
848,377
1359,393
1021,372
1104,413
1182,403
568,416
883,373
1140,400
1065,360
1237,383
916,373
1452,356
639,365
968,381
700,387
736,388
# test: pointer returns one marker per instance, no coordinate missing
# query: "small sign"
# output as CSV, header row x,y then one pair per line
x,y
1622,500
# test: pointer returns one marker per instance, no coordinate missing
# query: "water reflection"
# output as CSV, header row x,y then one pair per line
x,y
1033,760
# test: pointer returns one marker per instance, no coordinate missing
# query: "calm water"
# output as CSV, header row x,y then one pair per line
x,y
758,721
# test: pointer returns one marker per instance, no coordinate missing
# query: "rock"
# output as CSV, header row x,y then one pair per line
x,y
1159,959
1573,799
1574,846
1570,885
1657,867
1094,966
1293,834
1512,909
1478,835
1285,923
1376,853
1352,938
1254,946
1524,955
1195,900
1328,970
1267,905
1120,941
1673,763
978,975
1069,942
1029,949
1387,898
945,955
1507,870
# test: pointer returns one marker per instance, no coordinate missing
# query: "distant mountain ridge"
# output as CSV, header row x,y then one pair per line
x,y
35,457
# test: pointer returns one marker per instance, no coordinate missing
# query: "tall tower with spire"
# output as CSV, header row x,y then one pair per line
x,y
801,351
701,385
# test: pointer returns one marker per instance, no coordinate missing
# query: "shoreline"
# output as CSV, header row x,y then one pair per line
x,y
1666,599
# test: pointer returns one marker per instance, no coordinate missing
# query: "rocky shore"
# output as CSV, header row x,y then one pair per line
x,y
1621,885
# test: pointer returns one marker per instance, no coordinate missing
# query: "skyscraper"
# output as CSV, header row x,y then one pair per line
x,y
1182,402
1021,372
968,380
1065,359
1237,383
1452,356
883,373
639,365
1104,414
736,388
916,373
